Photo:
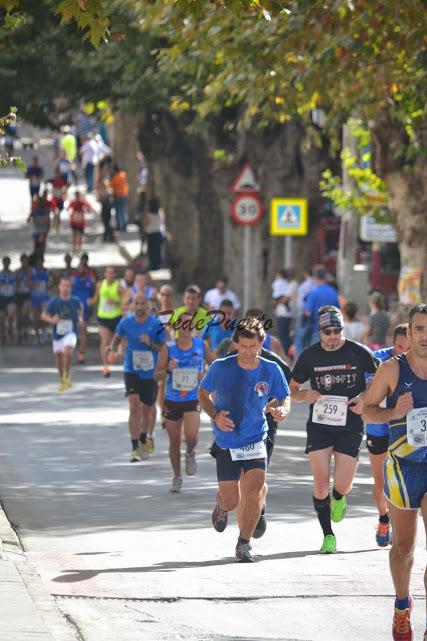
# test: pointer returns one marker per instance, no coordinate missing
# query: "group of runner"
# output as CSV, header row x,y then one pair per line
x,y
247,392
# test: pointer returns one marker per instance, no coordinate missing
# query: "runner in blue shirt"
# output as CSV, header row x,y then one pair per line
x,y
221,326
181,363
144,336
377,436
83,289
235,394
64,312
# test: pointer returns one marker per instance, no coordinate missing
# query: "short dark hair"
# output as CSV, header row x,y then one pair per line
x,y
153,205
226,303
223,279
421,308
254,312
400,330
350,309
319,272
192,289
249,328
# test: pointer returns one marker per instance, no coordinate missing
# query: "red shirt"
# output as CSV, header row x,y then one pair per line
x,y
77,215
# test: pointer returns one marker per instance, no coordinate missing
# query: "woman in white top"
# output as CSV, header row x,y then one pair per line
x,y
354,329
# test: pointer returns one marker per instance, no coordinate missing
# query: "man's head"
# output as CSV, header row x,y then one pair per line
x,y
249,337
6,262
140,282
166,297
65,288
319,274
129,276
376,301
221,284
34,161
185,329
81,269
110,273
350,310
191,298
227,309
85,259
417,331
68,260
77,195
401,342
331,323
24,260
140,305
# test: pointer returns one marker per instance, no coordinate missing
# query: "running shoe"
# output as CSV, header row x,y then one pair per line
x,y
176,485
244,553
261,526
150,444
329,544
143,451
81,358
402,629
68,382
190,463
134,455
62,387
106,372
219,518
338,509
383,535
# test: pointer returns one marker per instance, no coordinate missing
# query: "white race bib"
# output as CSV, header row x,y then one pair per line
x,y
185,379
247,452
416,427
330,410
142,360
64,327
108,307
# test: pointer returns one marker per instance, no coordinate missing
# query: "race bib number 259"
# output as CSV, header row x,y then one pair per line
x,y
331,410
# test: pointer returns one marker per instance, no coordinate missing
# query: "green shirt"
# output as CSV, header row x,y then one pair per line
x,y
201,316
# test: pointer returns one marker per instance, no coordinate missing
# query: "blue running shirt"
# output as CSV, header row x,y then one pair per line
x,y
244,394
193,359
140,359
380,429
68,312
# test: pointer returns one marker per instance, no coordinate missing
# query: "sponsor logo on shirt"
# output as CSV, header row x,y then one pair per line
x,y
261,389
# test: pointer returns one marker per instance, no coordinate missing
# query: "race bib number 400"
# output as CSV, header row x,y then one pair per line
x,y
185,379
142,360
247,452
64,327
416,425
331,410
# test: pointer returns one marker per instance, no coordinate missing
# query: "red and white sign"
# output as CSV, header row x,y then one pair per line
x,y
245,180
247,208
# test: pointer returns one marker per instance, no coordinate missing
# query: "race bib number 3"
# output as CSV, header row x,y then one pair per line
x,y
416,426
185,379
64,327
331,410
247,452
142,360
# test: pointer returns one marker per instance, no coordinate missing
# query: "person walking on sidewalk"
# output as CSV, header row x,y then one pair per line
x,y
120,190
402,380
64,312
108,297
235,394
181,362
144,337
336,369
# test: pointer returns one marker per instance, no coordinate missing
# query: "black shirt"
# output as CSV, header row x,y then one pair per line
x,y
336,373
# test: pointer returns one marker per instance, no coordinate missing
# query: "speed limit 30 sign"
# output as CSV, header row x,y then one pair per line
x,y
247,208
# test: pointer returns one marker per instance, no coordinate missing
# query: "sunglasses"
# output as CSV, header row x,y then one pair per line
x,y
328,332
165,293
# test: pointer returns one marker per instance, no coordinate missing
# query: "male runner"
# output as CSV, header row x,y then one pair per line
x,y
64,312
377,442
403,381
181,362
144,335
235,393
84,289
336,369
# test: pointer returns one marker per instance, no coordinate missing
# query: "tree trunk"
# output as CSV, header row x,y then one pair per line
x,y
125,148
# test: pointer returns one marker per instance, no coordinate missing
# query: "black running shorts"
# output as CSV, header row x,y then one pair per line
x,y
146,388
229,470
341,439
175,410
377,444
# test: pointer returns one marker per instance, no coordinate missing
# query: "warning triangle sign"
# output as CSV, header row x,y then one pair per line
x,y
245,181
288,217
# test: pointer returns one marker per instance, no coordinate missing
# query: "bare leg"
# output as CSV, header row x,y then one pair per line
x,y
191,429
152,421
174,432
402,551
68,352
320,463
253,490
135,407
59,364
146,418
105,337
345,469
82,337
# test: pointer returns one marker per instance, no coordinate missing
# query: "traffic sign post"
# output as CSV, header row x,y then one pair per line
x,y
288,217
247,208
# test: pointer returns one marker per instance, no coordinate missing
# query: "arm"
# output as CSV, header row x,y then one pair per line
x,y
384,383
209,354
279,410
161,368
300,395
126,301
223,423
95,298
49,318
117,339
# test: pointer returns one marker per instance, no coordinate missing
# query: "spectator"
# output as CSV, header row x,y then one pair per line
x,y
120,190
303,325
354,329
322,294
88,155
153,225
214,297
379,322
284,294
103,194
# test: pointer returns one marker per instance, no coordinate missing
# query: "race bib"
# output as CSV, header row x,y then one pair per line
x,y
185,379
108,307
416,427
247,452
64,327
7,290
142,360
331,410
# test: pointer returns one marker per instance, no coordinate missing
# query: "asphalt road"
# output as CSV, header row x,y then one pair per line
x,y
127,560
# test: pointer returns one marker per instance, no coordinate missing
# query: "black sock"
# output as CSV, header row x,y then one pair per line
x,y
263,510
337,496
384,518
323,510
134,443
242,540
143,437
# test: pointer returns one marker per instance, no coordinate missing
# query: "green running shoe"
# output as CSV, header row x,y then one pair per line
x,y
329,544
338,509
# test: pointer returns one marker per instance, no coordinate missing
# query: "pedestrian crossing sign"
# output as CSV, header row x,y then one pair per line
x,y
288,217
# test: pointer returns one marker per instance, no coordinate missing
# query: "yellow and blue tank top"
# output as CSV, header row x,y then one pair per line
x,y
109,292
192,358
408,381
